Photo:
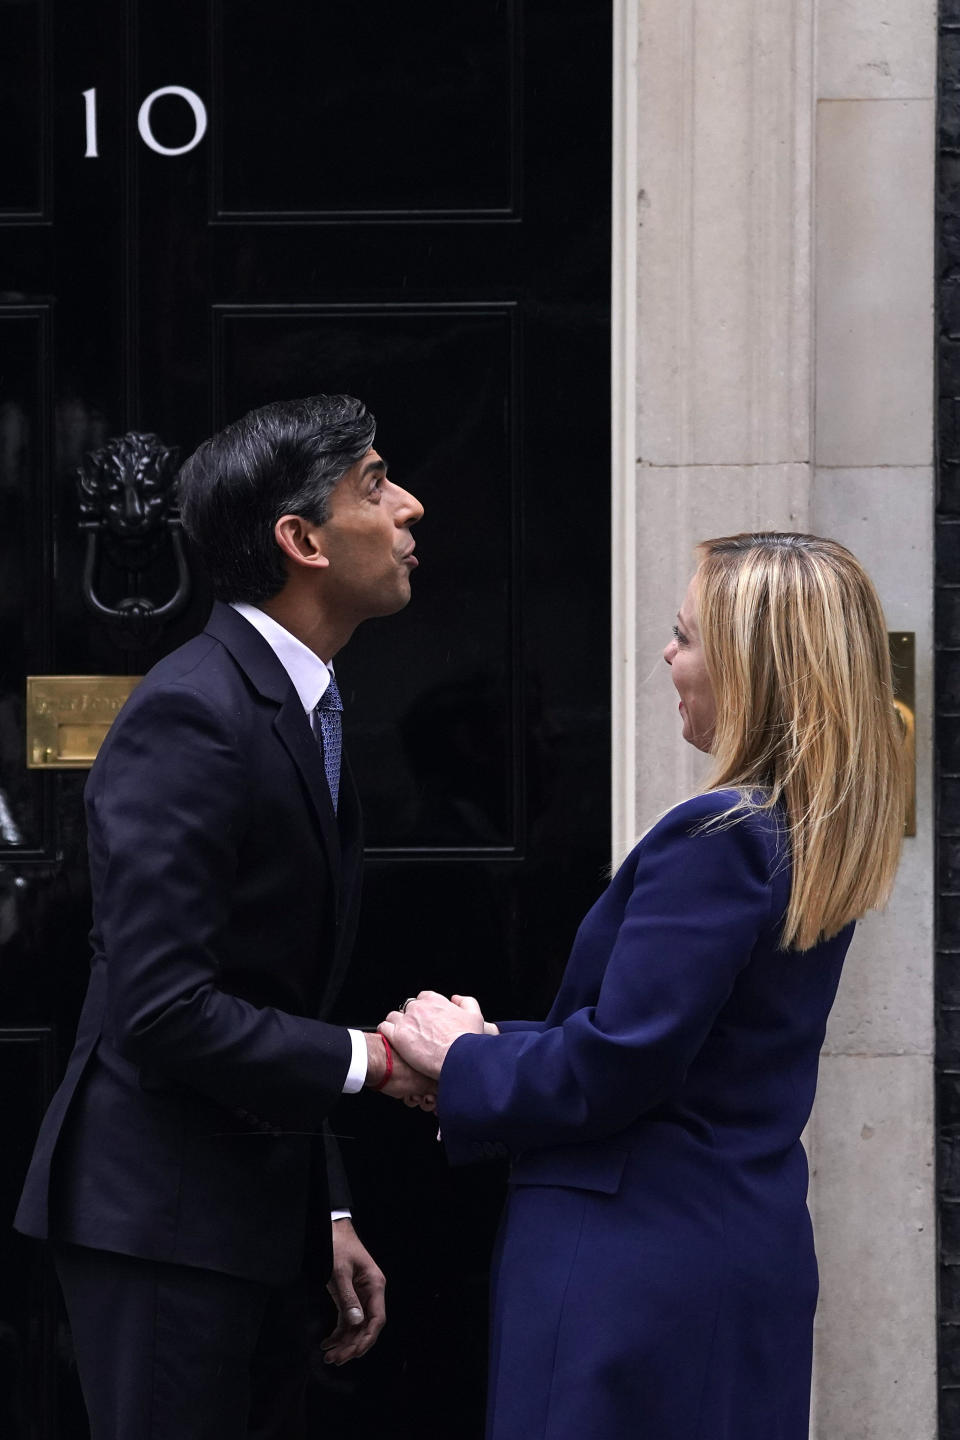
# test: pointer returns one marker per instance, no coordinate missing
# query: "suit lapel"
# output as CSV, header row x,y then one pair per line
x,y
265,672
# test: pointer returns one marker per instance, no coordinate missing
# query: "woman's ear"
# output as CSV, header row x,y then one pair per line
x,y
301,541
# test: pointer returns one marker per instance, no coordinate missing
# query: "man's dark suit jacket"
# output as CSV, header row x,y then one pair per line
x,y
225,896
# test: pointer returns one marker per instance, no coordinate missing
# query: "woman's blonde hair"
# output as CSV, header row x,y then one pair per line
x,y
796,649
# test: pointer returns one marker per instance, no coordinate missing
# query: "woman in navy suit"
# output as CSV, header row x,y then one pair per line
x,y
655,1274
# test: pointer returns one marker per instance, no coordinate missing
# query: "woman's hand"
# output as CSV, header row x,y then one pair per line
x,y
424,1030
467,1002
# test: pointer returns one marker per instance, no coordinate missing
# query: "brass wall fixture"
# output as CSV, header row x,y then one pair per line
x,y
903,659
68,717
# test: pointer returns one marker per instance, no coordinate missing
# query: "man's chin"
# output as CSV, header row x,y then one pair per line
x,y
391,606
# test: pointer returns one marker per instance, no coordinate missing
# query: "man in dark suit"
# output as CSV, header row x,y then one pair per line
x,y
184,1171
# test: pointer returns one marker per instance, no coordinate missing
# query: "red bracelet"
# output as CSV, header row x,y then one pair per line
x,y
389,1070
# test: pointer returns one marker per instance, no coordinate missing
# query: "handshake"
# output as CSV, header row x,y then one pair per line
x,y
405,1057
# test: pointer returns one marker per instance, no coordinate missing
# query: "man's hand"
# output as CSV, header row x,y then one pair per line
x,y
357,1286
405,1083
424,1030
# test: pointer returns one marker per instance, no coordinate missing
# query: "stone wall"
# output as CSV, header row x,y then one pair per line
x,y
872,487
773,368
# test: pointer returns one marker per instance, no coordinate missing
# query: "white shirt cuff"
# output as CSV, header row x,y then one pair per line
x,y
358,1063
341,1214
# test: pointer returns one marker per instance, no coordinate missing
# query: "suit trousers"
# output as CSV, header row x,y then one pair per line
x,y
175,1352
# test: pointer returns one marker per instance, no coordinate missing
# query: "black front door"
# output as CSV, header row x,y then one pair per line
x,y
205,208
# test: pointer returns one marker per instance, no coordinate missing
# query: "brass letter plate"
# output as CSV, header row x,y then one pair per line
x,y
69,715
903,660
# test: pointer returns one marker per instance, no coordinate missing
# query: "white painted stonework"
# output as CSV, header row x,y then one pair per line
x,y
876,49
773,368
874,234
723,316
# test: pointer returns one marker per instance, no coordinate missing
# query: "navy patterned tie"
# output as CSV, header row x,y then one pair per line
x,y
328,729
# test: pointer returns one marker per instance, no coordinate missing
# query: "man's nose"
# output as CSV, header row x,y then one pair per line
x,y
410,508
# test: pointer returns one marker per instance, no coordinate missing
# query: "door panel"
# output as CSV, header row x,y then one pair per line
x,y
24,95
27,1335
413,119
25,508
410,203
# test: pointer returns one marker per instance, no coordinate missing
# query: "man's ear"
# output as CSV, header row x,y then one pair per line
x,y
301,541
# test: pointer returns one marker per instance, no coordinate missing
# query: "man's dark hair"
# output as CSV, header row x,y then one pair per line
x,y
283,459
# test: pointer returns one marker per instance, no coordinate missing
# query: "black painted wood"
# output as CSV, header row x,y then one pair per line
x,y
410,120
25,111
412,203
27,1304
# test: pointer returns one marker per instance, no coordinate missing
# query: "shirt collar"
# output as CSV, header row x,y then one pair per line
x,y
309,675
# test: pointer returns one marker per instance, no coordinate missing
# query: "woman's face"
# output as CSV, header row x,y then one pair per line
x,y
688,671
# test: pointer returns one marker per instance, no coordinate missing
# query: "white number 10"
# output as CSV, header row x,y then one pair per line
x,y
90,101
92,151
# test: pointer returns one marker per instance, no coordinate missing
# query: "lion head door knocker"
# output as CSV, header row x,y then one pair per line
x,y
128,507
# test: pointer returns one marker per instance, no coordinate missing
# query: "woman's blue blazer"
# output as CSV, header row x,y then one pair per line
x,y
655,1274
